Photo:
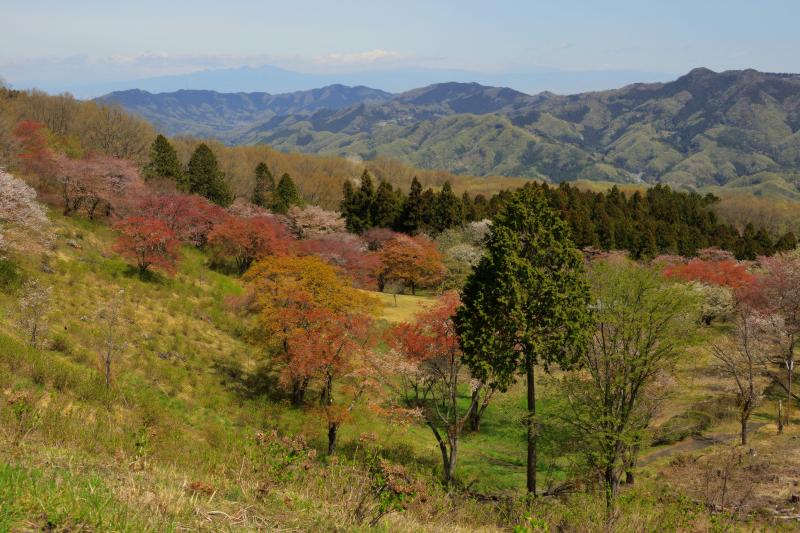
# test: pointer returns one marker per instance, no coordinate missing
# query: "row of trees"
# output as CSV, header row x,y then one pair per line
x,y
202,176
658,221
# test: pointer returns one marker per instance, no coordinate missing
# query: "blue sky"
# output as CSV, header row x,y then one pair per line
x,y
89,41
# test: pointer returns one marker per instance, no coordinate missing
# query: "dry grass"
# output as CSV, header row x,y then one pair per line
x,y
401,307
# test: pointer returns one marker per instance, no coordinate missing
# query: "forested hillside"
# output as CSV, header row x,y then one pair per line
x,y
735,130
199,337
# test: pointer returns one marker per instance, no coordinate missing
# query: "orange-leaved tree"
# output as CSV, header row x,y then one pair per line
x,y
317,323
410,262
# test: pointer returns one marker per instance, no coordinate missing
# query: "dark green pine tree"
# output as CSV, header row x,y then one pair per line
x,y
264,189
164,162
205,178
481,207
286,195
428,207
449,211
470,215
747,247
348,206
357,205
411,219
386,206
526,303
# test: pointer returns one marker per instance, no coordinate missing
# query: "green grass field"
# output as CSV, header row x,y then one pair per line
x,y
172,444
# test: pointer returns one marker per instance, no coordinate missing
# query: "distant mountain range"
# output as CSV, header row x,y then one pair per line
x,y
229,115
705,129
89,80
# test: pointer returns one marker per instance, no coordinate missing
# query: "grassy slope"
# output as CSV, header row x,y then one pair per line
x,y
188,397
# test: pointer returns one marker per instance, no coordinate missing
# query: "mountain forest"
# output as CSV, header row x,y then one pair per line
x,y
459,308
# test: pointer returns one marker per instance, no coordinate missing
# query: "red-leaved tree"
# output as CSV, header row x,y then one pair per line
x,y
427,356
723,273
334,348
241,241
35,156
189,216
148,243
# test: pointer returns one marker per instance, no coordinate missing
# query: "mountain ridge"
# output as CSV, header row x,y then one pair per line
x,y
703,129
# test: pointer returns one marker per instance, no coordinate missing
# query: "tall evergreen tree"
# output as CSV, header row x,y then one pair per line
x,y
286,195
526,302
449,210
428,207
411,218
357,205
264,189
205,177
348,207
385,207
164,162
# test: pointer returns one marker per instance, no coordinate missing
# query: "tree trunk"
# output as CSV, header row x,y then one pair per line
x,y
744,429
108,370
446,463
333,428
780,417
413,290
531,471
475,414
610,482
790,373
299,392
453,456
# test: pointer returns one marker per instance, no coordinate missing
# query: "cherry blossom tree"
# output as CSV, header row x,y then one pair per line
x,y
348,252
313,221
99,185
21,216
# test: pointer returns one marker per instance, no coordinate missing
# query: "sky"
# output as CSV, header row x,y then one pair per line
x,y
57,43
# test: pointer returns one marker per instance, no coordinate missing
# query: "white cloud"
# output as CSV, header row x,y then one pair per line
x,y
357,58
83,68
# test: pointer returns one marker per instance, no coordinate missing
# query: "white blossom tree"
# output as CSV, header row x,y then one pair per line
x,y
21,216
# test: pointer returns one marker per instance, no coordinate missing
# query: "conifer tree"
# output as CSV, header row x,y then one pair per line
x,y
348,206
449,211
286,195
411,219
357,205
385,207
526,303
264,189
428,209
164,162
205,177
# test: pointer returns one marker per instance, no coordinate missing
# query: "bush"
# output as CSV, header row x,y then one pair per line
x,y
9,275
694,421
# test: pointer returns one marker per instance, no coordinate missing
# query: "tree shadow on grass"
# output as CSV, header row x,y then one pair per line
x,y
148,276
259,383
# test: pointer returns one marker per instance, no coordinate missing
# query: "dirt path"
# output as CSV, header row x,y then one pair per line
x,y
694,443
